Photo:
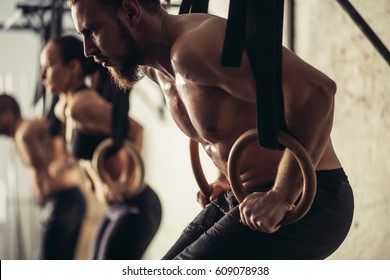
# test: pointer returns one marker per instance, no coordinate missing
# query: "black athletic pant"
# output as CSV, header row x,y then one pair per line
x,y
127,228
61,216
217,233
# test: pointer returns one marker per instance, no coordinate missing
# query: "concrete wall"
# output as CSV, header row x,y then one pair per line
x,y
328,39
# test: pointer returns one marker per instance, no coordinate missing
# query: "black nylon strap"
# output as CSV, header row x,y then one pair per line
x,y
268,42
185,7
194,6
200,6
55,125
262,24
120,125
235,34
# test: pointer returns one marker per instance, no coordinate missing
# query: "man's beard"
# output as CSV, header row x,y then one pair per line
x,y
129,71
126,77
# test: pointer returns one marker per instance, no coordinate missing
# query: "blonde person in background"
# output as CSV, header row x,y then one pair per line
x,y
56,179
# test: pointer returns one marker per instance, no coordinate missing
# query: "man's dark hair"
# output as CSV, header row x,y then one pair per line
x,y
149,5
8,103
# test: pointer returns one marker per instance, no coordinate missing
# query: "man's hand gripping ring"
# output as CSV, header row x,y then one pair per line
x,y
304,161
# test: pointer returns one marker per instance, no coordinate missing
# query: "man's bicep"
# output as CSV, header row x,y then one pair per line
x,y
239,81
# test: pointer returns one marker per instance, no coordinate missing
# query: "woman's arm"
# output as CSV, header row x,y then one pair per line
x,y
91,112
29,141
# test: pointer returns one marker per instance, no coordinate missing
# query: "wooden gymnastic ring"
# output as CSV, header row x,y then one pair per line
x,y
197,169
98,165
304,161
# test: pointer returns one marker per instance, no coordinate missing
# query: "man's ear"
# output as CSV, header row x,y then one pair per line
x,y
132,11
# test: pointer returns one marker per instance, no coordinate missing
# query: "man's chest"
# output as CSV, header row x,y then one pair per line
x,y
194,108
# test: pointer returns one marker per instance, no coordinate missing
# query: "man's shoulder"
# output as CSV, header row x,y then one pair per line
x,y
200,34
199,47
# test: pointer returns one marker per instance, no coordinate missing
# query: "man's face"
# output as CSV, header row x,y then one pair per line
x,y
109,41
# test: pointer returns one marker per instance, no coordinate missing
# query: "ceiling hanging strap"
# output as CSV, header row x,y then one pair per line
x,y
194,6
257,26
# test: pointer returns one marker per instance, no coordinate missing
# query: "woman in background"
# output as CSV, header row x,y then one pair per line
x,y
129,223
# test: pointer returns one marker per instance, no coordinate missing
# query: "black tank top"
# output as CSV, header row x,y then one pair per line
x,y
83,145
